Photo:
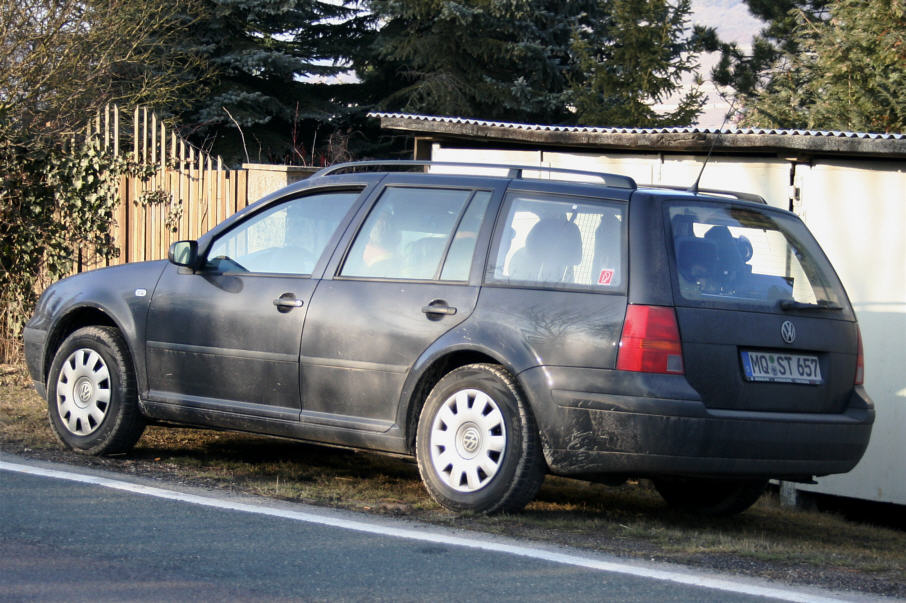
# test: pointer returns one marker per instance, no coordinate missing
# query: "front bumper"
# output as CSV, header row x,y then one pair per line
x,y
657,425
33,341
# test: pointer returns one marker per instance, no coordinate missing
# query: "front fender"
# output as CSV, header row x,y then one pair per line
x,y
121,294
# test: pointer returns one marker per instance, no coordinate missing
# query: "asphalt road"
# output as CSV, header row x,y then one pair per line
x,y
139,540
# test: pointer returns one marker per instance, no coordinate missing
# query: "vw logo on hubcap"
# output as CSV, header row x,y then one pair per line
x,y
470,440
83,391
788,331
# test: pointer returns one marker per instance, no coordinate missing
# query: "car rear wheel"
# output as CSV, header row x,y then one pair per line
x,y
718,498
477,444
91,393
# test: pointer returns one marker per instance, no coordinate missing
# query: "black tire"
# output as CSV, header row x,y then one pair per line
x,y
491,461
713,497
91,393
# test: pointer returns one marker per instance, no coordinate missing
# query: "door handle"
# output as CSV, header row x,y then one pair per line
x,y
287,302
439,306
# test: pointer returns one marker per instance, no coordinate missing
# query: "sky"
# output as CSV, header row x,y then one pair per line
x,y
734,23
732,19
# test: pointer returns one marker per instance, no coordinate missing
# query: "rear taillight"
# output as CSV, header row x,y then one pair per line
x,y
860,363
650,341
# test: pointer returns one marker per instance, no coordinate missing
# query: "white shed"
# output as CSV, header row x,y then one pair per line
x,y
849,188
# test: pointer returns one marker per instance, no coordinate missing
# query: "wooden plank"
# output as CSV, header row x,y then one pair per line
x,y
133,219
106,126
120,238
161,160
148,227
127,219
193,197
168,188
135,136
242,189
154,224
210,197
116,131
202,198
216,201
183,192
172,186
145,135
221,192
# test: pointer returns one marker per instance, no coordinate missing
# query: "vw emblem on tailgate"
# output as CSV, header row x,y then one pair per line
x,y
788,331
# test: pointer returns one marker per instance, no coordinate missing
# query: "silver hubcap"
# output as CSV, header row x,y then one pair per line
x,y
83,392
468,440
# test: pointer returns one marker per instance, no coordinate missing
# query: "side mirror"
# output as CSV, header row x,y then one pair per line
x,y
184,253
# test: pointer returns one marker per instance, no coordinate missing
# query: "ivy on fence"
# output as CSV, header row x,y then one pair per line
x,y
84,203
57,207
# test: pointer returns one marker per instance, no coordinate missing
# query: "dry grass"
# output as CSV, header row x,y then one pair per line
x,y
630,520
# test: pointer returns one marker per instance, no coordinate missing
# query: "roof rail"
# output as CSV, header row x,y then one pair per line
x,y
714,191
513,171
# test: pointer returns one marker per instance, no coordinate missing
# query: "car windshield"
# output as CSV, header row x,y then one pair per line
x,y
728,253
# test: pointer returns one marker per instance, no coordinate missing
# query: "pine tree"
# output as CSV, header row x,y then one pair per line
x,y
587,61
492,59
748,72
635,56
274,61
849,72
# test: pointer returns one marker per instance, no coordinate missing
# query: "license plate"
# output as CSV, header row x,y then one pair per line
x,y
778,367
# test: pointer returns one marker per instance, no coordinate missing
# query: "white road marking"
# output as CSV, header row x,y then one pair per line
x,y
473,542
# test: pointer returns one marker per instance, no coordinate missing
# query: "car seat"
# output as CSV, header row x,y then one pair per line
x,y
729,267
552,249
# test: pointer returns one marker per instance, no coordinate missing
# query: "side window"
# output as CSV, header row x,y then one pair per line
x,y
550,241
286,239
409,230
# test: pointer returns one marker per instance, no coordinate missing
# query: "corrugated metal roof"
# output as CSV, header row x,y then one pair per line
x,y
605,130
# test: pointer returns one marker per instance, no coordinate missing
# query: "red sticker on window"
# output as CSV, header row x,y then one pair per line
x,y
606,277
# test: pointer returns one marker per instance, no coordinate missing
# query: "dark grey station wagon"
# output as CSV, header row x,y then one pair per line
x,y
496,328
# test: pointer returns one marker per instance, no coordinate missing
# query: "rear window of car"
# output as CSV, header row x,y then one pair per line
x,y
731,254
554,241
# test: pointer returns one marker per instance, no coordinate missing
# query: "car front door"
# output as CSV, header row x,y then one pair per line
x,y
226,337
407,278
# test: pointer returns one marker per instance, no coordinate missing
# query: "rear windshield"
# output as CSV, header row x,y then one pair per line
x,y
730,254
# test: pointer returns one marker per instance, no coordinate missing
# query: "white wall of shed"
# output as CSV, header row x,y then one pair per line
x,y
498,156
769,178
857,211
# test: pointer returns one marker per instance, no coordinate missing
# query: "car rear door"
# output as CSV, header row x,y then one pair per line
x,y
557,274
409,274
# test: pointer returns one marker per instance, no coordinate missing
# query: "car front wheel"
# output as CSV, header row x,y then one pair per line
x,y
477,444
91,393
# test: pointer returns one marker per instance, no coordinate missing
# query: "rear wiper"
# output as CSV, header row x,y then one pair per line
x,y
823,304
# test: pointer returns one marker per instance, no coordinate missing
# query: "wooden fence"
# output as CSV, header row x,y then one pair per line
x,y
187,193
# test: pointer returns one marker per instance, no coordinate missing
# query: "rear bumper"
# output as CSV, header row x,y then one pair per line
x,y
657,425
